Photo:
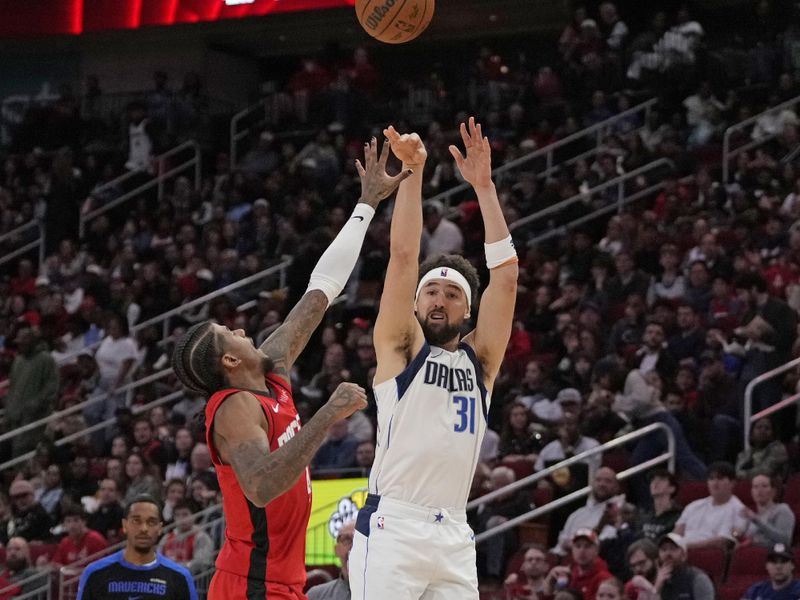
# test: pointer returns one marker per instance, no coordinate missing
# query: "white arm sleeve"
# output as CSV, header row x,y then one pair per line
x,y
335,265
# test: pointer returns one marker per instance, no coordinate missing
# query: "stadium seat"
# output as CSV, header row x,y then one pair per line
x,y
39,549
710,560
747,562
690,491
742,491
616,459
733,590
521,468
791,493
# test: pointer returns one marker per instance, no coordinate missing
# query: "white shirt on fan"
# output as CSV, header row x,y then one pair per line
x,y
704,520
112,354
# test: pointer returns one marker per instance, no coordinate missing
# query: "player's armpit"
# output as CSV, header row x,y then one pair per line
x,y
495,320
288,341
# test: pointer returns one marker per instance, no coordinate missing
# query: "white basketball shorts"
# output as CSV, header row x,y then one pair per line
x,y
402,551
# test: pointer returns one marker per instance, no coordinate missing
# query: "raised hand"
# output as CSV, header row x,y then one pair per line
x,y
347,399
407,147
476,166
376,184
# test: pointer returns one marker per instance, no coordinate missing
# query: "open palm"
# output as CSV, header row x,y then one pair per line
x,y
476,167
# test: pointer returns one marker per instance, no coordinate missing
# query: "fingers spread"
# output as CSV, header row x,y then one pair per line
x,y
384,153
464,135
456,155
360,168
372,153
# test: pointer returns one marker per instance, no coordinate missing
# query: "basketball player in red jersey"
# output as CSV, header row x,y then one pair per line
x,y
258,448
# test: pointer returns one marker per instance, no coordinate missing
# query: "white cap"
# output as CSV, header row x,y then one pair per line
x,y
204,274
42,280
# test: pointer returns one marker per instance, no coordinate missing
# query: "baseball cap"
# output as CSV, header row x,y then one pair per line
x,y
42,280
780,551
585,533
20,487
569,395
673,538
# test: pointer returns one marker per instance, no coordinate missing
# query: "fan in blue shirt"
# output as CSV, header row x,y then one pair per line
x,y
780,585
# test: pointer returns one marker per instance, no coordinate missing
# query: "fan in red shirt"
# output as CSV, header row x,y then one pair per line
x,y
588,570
259,450
81,542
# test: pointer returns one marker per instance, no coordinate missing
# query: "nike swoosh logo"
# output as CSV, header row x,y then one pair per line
x,y
276,408
359,218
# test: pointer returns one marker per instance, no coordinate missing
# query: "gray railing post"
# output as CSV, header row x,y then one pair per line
x,y
748,395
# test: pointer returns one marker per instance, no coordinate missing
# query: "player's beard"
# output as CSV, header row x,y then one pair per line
x,y
439,333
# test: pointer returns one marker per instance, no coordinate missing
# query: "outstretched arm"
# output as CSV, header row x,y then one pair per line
x,y
398,335
240,435
496,314
335,265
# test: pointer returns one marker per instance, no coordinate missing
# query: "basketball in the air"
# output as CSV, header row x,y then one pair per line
x,y
394,21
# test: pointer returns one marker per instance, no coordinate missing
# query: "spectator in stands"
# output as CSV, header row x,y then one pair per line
x,y
536,392
781,583
187,544
610,589
653,355
604,488
33,389
588,570
518,441
339,451
714,521
148,445
19,567
663,490
642,560
616,30
569,443
365,456
107,518
640,403
620,527
140,480
495,551
49,495
753,291
179,467
771,523
175,491
338,589
115,358
765,455
200,460
687,345
115,469
440,235
529,583
80,542
5,517
676,579
29,518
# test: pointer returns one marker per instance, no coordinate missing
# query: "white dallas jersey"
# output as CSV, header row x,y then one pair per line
x,y
431,421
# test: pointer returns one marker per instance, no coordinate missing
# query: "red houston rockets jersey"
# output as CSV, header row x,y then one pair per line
x,y
267,543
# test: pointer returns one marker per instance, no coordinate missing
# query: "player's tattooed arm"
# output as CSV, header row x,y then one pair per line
x,y
288,341
240,435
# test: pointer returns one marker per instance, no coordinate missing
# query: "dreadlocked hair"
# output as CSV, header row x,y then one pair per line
x,y
196,360
456,262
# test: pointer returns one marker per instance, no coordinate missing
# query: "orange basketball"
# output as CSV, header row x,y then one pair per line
x,y
394,21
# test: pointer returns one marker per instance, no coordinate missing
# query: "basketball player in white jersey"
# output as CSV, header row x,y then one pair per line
x,y
433,390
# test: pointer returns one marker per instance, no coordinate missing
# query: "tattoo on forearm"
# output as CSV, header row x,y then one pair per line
x,y
289,340
270,475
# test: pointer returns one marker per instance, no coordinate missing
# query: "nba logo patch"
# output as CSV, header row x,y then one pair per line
x,y
443,273
380,522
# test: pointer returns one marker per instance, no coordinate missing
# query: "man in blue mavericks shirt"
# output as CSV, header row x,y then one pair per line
x,y
137,572
781,584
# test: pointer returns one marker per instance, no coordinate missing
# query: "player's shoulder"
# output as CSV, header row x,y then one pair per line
x,y
103,563
173,566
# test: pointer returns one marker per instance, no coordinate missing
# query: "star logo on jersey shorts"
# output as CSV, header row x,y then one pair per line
x,y
439,517
380,522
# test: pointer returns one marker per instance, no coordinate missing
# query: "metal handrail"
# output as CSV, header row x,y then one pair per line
x,y
56,416
25,248
157,181
43,573
238,135
91,429
166,316
596,214
549,151
620,180
749,417
728,154
668,457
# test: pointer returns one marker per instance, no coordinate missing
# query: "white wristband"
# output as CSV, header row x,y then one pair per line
x,y
500,253
335,265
